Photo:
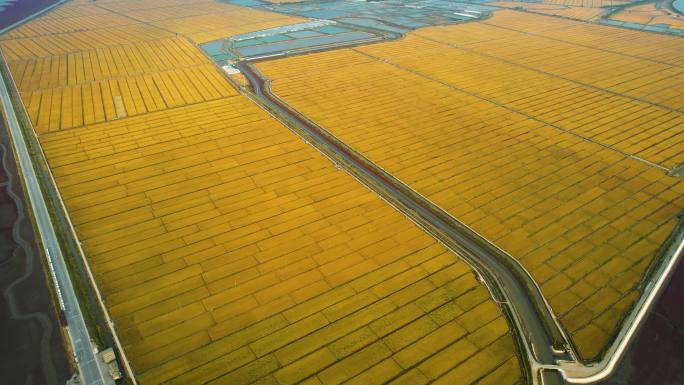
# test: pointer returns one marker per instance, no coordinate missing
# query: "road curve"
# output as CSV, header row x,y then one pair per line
x,y
90,373
520,297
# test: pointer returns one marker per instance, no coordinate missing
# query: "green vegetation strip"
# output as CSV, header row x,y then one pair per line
x,y
87,300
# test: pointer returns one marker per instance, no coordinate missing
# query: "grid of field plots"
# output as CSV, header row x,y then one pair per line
x,y
229,251
573,12
91,63
587,3
649,14
549,137
78,88
201,21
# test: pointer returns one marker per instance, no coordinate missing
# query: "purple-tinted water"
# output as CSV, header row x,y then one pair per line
x,y
14,11
32,350
657,356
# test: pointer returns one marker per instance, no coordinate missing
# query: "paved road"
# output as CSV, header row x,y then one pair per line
x,y
33,350
510,284
78,333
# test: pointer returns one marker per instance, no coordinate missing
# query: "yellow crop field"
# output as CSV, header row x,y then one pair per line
x,y
654,47
655,80
75,8
41,46
83,104
141,77
105,63
574,76
131,6
86,63
212,27
650,15
284,1
229,251
72,79
588,3
51,26
156,11
554,171
202,21
572,12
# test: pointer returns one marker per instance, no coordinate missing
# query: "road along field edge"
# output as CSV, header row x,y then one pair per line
x,y
653,284
573,370
537,334
66,249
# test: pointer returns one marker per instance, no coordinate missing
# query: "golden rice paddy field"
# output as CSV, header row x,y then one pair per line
x,y
529,134
588,3
650,15
87,63
605,79
569,11
23,48
650,70
229,251
72,19
655,48
200,21
284,1
94,85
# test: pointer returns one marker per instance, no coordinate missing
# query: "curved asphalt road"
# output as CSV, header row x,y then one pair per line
x,y
542,342
510,284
